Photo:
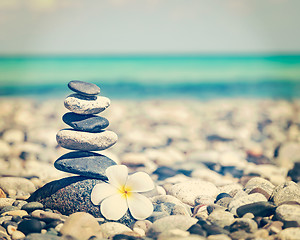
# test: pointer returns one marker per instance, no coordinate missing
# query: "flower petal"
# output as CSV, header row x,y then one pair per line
x,y
114,207
140,207
102,191
140,182
117,175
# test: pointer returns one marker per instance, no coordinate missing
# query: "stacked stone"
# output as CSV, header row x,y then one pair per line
x,y
87,133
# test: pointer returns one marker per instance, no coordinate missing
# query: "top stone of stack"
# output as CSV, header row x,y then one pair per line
x,y
84,88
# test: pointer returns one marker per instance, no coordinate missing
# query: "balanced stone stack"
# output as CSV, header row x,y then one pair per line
x,y
87,133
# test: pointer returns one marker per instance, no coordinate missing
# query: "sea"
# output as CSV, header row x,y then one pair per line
x,y
154,76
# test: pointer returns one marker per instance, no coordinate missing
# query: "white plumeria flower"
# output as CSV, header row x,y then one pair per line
x,y
121,193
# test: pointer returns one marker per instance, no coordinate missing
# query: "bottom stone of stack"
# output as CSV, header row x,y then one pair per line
x,y
70,195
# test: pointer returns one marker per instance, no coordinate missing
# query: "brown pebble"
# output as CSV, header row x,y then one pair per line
x,y
11,229
261,191
2,194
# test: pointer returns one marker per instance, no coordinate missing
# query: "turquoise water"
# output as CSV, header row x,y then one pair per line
x,y
152,76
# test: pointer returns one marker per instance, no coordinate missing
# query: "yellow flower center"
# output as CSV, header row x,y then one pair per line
x,y
125,191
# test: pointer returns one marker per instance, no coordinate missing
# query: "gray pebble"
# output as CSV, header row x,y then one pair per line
x,y
84,88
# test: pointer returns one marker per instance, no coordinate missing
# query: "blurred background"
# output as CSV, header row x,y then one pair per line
x,y
150,48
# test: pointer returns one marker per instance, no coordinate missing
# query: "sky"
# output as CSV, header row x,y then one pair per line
x,y
149,26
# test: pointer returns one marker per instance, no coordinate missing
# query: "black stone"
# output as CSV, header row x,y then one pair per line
x,y
84,88
258,209
87,123
197,229
87,164
72,194
124,237
222,195
30,207
30,226
16,218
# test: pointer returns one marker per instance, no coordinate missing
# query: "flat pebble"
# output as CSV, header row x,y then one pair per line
x,y
30,207
259,209
87,164
258,182
85,141
84,88
188,191
30,226
15,213
81,225
238,202
288,234
110,229
87,123
46,216
79,104
17,235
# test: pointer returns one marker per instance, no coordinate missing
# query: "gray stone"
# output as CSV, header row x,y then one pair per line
x,y
30,207
70,195
288,191
87,164
245,224
258,182
13,186
188,191
112,228
221,218
40,236
171,222
289,234
85,141
84,88
288,213
79,104
88,123
259,209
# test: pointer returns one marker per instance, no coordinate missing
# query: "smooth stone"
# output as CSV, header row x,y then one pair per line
x,y
222,195
188,191
288,191
87,164
4,202
79,104
224,202
288,234
46,216
30,226
88,123
40,236
81,225
8,208
4,219
70,195
84,88
15,213
238,202
17,235
30,207
171,222
221,218
110,229
86,141
12,185
259,209
288,213
245,224
258,182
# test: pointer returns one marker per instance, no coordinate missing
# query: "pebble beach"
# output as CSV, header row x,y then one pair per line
x,y
223,169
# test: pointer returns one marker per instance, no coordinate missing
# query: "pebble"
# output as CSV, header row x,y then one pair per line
x,y
288,234
81,225
288,213
10,229
79,104
224,202
86,141
30,226
84,88
87,164
221,218
259,209
222,195
171,222
87,123
4,202
258,182
110,229
44,236
46,216
16,235
218,237
288,191
188,191
30,207
20,213
245,224
13,185
238,202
